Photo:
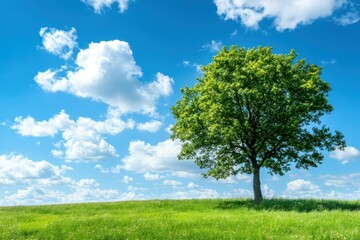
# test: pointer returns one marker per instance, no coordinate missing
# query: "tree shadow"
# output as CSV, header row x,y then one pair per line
x,y
298,205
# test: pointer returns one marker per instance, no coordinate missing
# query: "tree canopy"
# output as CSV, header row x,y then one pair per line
x,y
254,109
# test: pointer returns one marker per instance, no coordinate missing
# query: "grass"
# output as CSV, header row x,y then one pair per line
x,y
185,219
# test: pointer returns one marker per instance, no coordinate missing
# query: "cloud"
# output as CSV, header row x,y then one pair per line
x,y
83,138
132,188
107,72
214,46
189,64
17,169
127,179
168,128
152,177
41,179
285,14
171,182
342,181
346,155
87,183
192,185
152,126
101,168
202,193
332,61
29,127
100,5
162,157
348,18
301,185
301,188
235,179
59,42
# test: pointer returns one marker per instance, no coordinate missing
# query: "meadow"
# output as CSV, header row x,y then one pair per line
x,y
185,219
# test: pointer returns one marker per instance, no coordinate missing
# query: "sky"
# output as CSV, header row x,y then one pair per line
x,y
87,87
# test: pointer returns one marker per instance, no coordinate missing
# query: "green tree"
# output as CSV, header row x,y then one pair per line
x,y
254,109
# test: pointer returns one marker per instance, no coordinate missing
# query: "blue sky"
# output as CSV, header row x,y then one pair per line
x,y
87,87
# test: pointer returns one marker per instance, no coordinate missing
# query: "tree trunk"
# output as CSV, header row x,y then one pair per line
x,y
257,186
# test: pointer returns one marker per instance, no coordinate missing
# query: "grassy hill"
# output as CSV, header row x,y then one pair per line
x,y
185,219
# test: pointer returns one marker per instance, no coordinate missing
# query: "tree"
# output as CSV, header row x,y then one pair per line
x,y
254,109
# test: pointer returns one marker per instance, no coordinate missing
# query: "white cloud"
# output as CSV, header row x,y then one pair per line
x,y
144,157
214,46
348,18
168,128
346,155
235,179
192,185
127,179
246,193
239,193
30,127
83,140
57,153
203,193
107,72
17,169
171,182
132,188
152,177
267,192
301,185
185,174
116,169
87,183
41,195
151,126
234,33
286,14
188,64
100,5
59,42
41,180
342,181
101,168
332,61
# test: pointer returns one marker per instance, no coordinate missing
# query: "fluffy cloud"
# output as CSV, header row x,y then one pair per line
x,y
162,157
29,127
286,14
214,46
87,183
83,138
59,42
192,185
171,182
127,179
100,5
152,126
346,155
151,177
17,169
301,188
107,72
101,168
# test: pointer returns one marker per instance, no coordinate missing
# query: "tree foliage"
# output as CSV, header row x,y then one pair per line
x,y
254,109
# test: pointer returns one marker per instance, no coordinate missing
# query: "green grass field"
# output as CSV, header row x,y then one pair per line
x,y
185,219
